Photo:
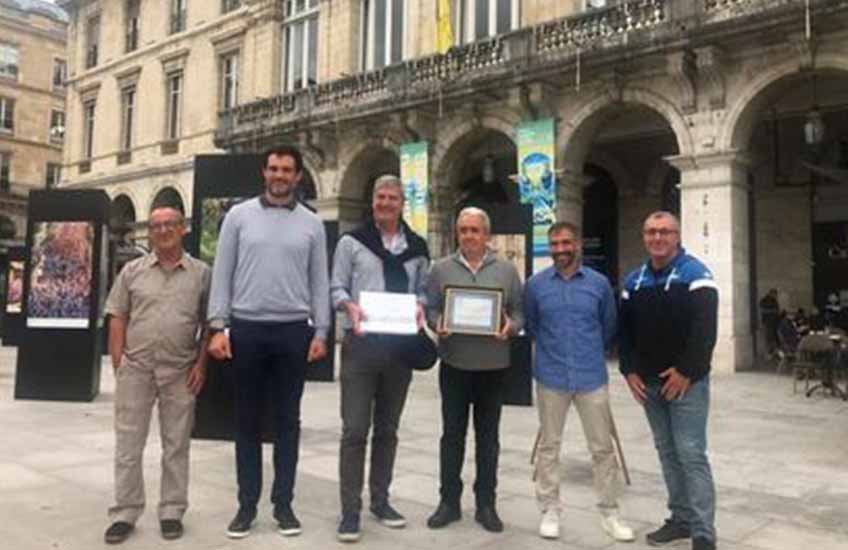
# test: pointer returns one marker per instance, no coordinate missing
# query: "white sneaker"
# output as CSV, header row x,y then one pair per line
x,y
549,527
616,529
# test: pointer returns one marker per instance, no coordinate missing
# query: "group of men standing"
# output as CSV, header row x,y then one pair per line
x,y
268,312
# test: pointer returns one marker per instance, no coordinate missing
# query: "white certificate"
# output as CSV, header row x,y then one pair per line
x,y
388,312
473,311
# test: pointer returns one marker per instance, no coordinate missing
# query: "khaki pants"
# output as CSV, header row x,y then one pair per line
x,y
595,416
137,388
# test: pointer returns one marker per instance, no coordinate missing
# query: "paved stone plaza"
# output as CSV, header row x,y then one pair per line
x,y
780,463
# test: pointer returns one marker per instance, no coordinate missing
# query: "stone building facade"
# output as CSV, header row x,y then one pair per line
x,y
145,87
730,112
32,106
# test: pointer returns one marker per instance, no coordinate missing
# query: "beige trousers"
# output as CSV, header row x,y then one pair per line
x,y
137,389
595,416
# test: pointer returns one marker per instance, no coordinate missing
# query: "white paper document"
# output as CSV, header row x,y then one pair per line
x,y
472,311
388,312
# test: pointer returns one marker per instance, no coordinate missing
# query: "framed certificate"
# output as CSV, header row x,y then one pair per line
x,y
472,310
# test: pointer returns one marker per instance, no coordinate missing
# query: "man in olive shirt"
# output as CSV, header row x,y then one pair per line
x,y
472,369
157,304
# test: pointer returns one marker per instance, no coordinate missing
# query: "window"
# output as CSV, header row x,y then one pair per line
x,y
57,126
178,15
229,80
7,115
133,15
174,106
88,128
479,19
5,169
53,175
383,30
8,61
92,41
127,111
60,74
230,5
300,35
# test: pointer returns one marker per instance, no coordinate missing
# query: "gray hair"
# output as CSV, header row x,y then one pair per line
x,y
664,215
474,211
388,180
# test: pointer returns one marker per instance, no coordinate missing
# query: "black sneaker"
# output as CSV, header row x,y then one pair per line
x,y
287,523
348,530
388,516
703,543
240,526
118,532
444,515
171,528
670,532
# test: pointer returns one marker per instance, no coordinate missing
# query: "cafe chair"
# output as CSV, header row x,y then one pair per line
x,y
815,351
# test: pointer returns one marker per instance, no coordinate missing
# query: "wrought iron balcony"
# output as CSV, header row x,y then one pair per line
x,y
628,28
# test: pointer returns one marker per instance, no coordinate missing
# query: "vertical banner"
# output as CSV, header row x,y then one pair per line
x,y
444,26
536,182
414,173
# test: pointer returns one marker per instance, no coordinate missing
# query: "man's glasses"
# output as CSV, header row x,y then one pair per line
x,y
165,226
659,232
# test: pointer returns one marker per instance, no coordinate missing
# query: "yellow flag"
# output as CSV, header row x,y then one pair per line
x,y
444,27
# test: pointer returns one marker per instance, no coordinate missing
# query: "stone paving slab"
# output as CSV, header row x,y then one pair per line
x,y
779,461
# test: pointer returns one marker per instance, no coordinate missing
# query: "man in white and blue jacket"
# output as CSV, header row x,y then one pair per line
x,y
668,331
570,313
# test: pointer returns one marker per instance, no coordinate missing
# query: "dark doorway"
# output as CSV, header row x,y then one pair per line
x,y
600,223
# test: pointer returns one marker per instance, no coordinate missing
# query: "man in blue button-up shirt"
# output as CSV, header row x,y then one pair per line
x,y
571,315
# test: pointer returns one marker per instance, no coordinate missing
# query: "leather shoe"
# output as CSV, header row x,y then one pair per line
x,y
488,518
444,514
171,529
118,532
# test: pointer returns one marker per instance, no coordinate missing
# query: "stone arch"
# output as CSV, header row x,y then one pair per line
x,y
122,210
742,116
313,165
577,133
458,137
351,182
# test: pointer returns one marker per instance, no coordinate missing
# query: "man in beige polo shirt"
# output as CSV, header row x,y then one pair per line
x,y
158,305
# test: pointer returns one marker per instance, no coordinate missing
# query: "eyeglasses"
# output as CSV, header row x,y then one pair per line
x,y
165,226
659,232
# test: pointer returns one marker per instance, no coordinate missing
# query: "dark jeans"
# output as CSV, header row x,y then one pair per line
x,y
460,389
268,354
373,391
680,436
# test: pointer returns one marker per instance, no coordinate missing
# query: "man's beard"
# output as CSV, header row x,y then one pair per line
x,y
279,192
563,260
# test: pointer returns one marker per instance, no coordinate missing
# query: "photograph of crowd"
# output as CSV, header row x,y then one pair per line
x,y
60,285
15,287
214,210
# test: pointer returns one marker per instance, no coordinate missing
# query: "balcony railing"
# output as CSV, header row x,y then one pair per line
x,y
550,46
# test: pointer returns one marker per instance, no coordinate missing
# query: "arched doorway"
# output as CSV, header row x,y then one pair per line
x,y
634,137
8,230
600,223
358,182
794,130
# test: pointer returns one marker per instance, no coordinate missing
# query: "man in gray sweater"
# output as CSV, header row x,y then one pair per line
x,y
382,255
269,281
472,369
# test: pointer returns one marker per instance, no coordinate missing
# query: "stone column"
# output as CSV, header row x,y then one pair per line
x,y
714,210
570,197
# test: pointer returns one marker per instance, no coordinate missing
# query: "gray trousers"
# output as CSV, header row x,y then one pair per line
x,y
595,416
137,389
373,393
